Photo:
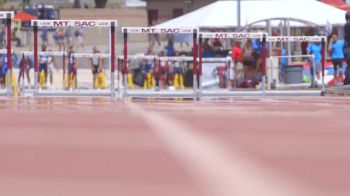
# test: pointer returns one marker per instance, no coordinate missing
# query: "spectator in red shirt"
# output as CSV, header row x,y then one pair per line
x,y
237,52
236,65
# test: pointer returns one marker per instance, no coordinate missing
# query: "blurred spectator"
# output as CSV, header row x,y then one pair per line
x,y
3,71
77,4
56,37
15,38
170,51
24,68
207,50
283,65
153,37
217,47
68,35
25,2
315,50
347,48
79,35
257,46
171,39
335,48
2,37
44,36
237,65
248,59
42,12
60,39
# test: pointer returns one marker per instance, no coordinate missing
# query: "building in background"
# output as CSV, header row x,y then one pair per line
x,y
78,3
161,10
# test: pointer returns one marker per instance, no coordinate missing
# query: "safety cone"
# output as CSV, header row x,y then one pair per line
x,y
176,81
66,82
102,80
182,86
145,84
149,80
42,82
130,81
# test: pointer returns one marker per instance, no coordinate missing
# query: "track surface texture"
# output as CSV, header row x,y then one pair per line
x,y
219,147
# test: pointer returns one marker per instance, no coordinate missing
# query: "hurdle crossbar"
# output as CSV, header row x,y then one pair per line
x,y
4,51
91,55
47,53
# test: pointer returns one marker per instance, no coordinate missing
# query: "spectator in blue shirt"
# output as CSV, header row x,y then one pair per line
x,y
315,49
282,65
335,47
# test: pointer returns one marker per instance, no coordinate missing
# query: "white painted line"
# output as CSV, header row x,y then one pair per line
x,y
217,172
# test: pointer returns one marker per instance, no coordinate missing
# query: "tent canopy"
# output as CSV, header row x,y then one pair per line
x,y
23,16
223,14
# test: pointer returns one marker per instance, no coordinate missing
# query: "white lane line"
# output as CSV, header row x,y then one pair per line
x,y
216,170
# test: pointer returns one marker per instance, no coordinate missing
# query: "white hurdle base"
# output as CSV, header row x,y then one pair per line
x,y
160,94
3,92
67,93
6,92
225,93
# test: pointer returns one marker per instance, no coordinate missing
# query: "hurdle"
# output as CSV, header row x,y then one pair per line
x,y
264,38
159,30
310,39
238,36
275,81
111,24
8,16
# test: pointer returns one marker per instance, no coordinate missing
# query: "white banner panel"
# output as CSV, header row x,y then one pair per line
x,y
3,15
231,35
295,38
151,30
74,23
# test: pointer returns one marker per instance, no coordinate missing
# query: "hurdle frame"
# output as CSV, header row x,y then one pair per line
x,y
8,16
111,24
309,39
313,65
161,30
231,36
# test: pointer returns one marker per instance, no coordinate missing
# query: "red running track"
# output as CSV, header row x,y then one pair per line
x,y
242,146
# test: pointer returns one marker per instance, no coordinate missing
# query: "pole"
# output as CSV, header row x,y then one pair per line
x,y
195,81
35,28
112,59
64,67
324,53
125,64
9,54
200,62
238,13
289,47
263,66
